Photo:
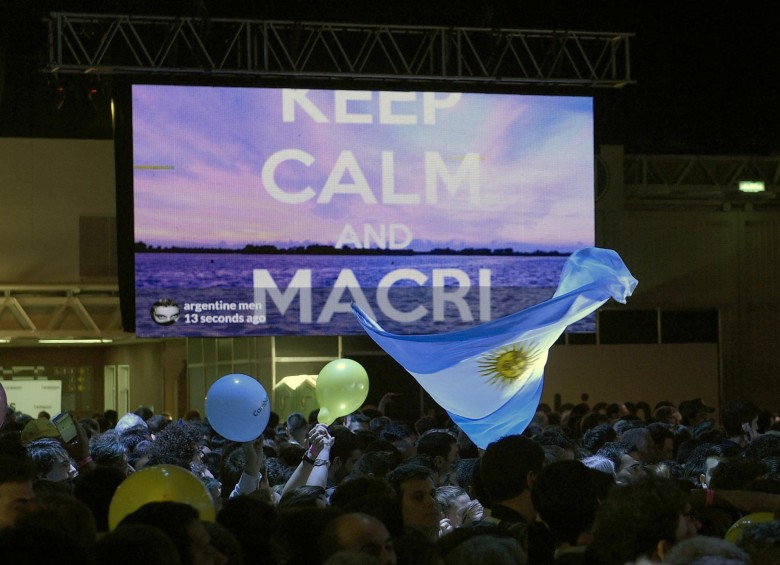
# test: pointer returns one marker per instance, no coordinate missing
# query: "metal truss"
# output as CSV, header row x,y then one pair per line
x,y
699,178
60,311
179,46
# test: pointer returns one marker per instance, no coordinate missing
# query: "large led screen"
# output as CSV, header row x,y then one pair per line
x,y
269,211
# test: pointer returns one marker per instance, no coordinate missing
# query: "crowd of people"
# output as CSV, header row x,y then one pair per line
x,y
596,485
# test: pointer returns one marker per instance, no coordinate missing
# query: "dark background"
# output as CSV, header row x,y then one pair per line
x,y
707,72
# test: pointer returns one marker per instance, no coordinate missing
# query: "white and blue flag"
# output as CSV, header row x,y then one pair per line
x,y
489,378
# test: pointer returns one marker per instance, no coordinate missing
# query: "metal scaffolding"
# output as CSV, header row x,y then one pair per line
x,y
234,48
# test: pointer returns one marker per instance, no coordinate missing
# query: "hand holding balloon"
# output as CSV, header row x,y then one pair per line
x,y
342,387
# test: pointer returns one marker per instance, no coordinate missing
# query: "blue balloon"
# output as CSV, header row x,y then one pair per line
x,y
238,407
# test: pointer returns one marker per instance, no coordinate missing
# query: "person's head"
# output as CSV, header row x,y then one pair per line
x,y
51,460
106,450
483,547
165,312
740,419
16,492
452,501
416,494
667,414
297,428
508,467
642,519
136,543
304,495
402,436
595,437
96,487
345,452
358,422
442,446
761,542
566,496
627,467
663,442
703,550
694,411
358,532
642,442
182,524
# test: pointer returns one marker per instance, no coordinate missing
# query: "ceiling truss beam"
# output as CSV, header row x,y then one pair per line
x,y
170,46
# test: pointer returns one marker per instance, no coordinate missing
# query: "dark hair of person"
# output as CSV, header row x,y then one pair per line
x,y
304,495
16,469
106,449
96,487
762,447
345,442
252,522
353,488
464,471
614,450
376,463
407,472
735,413
634,518
132,436
436,443
505,466
157,423
761,541
44,452
396,431
176,445
594,438
287,536
736,474
136,543
566,495
173,518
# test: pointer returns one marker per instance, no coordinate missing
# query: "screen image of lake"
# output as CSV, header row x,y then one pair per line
x,y
215,292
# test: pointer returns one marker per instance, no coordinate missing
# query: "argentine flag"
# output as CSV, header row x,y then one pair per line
x,y
489,378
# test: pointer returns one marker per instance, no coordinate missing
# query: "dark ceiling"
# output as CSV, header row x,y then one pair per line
x,y
707,73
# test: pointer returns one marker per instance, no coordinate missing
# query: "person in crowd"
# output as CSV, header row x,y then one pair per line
x,y
456,508
108,451
182,524
740,422
402,436
16,488
706,549
508,469
663,442
643,519
354,531
442,447
95,488
136,543
416,494
297,429
625,457
567,495
695,412
761,542
52,462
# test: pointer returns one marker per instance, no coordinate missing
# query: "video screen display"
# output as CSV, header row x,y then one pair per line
x,y
269,211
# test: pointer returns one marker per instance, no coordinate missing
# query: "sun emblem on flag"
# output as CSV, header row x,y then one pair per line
x,y
507,364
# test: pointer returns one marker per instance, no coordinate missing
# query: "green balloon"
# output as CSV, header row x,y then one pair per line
x,y
342,387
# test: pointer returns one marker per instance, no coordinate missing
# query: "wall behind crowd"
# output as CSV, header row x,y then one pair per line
x,y
717,259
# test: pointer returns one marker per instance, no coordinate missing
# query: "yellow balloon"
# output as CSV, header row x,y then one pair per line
x,y
735,531
157,484
342,387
